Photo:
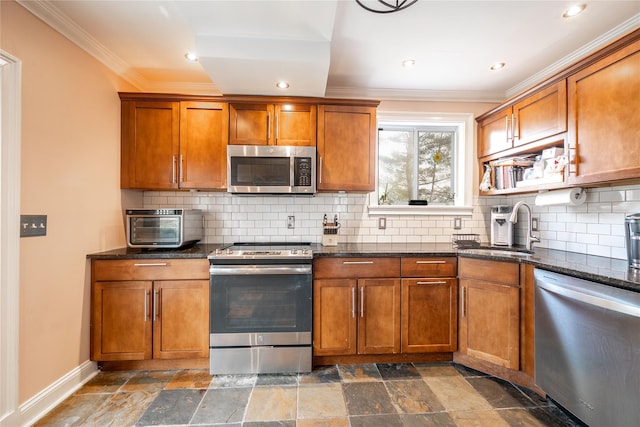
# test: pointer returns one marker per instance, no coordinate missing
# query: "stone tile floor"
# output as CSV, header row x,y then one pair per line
x,y
372,395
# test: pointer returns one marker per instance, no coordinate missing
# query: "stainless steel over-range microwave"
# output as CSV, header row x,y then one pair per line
x,y
267,169
163,228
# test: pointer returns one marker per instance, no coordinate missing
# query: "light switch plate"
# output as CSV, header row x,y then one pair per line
x,y
457,223
534,224
33,225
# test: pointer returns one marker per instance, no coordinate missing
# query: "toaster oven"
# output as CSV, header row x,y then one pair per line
x,y
163,228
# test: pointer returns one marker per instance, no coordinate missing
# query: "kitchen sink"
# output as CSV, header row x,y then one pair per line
x,y
497,252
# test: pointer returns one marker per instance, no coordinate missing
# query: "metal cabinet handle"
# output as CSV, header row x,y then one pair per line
x,y
173,169
432,262
155,304
320,177
514,126
463,302
181,168
507,128
362,301
356,262
277,128
440,282
146,306
268,126
151,264
353,302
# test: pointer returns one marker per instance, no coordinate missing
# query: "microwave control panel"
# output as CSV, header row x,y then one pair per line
x,y
302,172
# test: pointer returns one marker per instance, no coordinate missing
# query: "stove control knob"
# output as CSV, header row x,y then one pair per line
x,y
218,251
294,251
305,251
229,251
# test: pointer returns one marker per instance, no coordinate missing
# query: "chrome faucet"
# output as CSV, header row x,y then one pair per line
x,y
514,219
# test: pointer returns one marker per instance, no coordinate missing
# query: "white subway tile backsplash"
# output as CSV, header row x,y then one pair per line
x,y
596,227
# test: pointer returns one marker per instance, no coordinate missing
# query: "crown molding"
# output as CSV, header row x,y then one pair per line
x,y
60,22
586,50
415,95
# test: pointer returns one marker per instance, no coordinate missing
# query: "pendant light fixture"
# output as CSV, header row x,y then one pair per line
x,y
387,6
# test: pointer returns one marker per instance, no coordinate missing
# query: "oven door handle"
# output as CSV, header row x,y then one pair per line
x,y
252,270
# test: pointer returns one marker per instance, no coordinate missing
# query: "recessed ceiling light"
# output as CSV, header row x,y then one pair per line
x,y
282,85
408,63
498,66
574,10
191,56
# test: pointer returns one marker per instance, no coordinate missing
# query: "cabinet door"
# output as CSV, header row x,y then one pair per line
x,y
346,148
150,140
181,319
541,115
204,133
429,315
604,130
295,124
251,124
334,317
490,322
121,320
494,133
378,316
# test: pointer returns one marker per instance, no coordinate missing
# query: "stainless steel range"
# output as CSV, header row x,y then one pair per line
x,y
261,308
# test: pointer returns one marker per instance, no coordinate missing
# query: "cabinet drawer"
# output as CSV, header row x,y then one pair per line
x,y
429,267
150,269
341,268
507,273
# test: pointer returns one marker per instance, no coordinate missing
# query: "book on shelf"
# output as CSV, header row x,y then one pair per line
x,y
507,172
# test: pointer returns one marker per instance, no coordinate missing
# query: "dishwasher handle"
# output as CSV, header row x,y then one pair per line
x,y
591,297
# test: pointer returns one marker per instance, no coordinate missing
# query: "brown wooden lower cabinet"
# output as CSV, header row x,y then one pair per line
x,y
429,315
490,311
356,316
149,319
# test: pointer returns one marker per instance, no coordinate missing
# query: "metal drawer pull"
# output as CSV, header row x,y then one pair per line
x,y
156,264
356,262
362,301
431,262
432,283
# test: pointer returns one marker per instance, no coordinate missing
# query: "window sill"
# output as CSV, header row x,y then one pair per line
x,y
419,210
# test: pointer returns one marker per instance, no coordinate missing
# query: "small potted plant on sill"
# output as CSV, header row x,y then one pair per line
x,y
384,196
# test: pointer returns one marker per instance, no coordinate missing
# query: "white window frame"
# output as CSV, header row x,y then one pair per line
x,y
464,158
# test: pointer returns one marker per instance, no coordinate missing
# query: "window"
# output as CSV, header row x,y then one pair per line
x,y
416,163
427,158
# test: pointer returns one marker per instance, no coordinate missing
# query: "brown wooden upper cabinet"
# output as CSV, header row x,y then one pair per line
x,y
604,127
346,148
272,124
538,116
173,144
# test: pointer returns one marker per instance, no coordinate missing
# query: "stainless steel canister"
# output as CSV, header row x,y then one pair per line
x,y
632,232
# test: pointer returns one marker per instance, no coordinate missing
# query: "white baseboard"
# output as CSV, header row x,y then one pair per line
x,y
40,404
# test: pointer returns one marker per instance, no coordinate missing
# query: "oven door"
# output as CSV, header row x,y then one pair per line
x,y
260,305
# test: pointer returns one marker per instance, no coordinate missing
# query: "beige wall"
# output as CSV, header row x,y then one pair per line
x,y
70,172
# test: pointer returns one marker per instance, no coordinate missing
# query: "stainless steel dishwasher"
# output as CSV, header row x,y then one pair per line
x,y
587,348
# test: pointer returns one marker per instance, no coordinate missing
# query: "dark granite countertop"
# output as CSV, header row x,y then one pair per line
x,y
609,271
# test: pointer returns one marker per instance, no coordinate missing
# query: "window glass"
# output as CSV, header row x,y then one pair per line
x,y
417,163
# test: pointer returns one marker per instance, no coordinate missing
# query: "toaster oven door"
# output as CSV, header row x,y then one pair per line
x,y
153,231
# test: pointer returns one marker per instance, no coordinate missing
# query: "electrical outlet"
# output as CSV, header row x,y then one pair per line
x,y
291,222
534,224
33,225
457,223
382,223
